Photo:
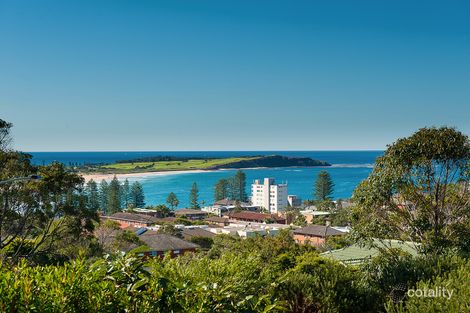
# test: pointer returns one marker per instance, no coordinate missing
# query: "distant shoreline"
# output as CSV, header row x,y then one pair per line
x,y
122,176
108,176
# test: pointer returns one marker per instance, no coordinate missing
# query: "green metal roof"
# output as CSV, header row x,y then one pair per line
x,y
356,254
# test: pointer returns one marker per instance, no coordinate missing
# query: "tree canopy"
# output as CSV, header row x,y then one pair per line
x,y
221,190
418,191
137,198
172,200
323,188
194,197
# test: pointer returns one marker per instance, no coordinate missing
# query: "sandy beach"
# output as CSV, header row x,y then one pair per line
x,y
100,177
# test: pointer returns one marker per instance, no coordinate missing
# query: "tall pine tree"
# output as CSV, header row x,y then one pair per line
x,y
125,194
239,186
194,197
221,190
103,197
323,188
114,196
137,195
93,201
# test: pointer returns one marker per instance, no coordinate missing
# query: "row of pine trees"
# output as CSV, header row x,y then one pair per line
x,y
114,196
232,188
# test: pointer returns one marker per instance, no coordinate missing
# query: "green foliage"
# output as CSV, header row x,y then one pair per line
x,y
172,200
337,242
239,186
235,275
103,196
203,242
320,285
341,216
112,239
325,205
294,216
233,188
171,230
137,195
194,197
114,196
125,194
162,210
221,190
300,220
37,214
455,281
412,193
92,194
5,138
323,186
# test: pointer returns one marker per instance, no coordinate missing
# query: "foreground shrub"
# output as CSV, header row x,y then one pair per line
x,y
235,276
316,284
456,281
123,285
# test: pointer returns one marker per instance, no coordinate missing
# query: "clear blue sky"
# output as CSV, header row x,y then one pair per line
x,y
231,75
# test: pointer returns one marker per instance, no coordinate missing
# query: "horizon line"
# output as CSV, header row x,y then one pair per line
x,y
288,150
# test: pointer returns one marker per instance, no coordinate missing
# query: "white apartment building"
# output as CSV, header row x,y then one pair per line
x,y
269,195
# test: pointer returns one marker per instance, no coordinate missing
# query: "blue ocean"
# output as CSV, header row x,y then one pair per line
x,y
347,170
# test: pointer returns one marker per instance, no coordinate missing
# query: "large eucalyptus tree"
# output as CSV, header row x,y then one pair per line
x,y
419,191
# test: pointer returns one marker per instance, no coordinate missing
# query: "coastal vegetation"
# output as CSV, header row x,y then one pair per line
x,y
194,197
56,255
252,275
323,191
172,200
114,196
323,188
231,188
419,191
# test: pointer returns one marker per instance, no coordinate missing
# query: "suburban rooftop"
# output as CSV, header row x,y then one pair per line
x,y
318,231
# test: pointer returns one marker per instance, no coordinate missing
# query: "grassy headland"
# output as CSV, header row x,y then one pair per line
x,y
188,164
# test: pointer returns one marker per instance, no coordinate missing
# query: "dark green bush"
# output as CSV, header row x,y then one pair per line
x,y
252,275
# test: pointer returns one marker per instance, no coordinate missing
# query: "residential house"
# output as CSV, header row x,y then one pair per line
x,y
312,215
189,233
315,235
143,212
126,219
249,216
226,205
160,244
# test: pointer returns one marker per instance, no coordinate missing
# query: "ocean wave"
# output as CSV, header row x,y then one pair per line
x,y
364,165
